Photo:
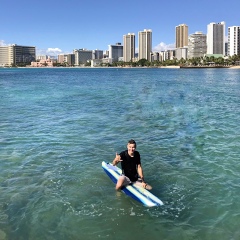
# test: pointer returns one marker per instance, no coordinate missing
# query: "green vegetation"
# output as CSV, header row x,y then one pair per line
x,y
193,62
197,62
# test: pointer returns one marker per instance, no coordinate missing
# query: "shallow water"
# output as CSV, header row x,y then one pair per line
x,y
58,125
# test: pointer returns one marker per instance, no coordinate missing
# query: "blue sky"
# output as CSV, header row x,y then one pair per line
x,y
56,27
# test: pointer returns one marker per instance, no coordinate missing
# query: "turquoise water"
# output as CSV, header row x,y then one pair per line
x,y
58,125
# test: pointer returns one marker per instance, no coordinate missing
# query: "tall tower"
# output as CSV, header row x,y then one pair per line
x,y
181,36
145,44
234,40
128,47
216,38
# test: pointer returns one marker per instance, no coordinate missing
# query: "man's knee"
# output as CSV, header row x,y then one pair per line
x,y
120,182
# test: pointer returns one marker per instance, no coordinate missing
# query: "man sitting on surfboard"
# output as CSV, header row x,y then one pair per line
x,y
131,167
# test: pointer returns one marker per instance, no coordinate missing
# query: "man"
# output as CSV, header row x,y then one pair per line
x,y
131,167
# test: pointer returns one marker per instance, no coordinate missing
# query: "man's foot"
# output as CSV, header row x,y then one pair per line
x,y
118,194
148,187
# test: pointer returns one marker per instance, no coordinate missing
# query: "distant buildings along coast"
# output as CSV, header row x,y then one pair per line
x,y
195,45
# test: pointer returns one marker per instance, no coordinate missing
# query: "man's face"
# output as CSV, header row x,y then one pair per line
x,y
131,148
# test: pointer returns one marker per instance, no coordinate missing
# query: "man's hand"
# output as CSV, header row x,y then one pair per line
x,y
117,159
144,184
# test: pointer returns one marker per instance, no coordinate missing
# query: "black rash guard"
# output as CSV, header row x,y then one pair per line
x,y
129,165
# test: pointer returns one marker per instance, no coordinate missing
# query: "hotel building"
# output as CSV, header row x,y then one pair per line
x,y
233,40
145,44
6,56
82,56
216,38
197,45
129,47
115,52
69,59
181,36
97,54
15,55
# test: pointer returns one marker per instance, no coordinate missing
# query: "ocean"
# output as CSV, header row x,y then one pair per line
x,y
57,125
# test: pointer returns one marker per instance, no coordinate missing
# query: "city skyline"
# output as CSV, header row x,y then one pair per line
x,y
58,29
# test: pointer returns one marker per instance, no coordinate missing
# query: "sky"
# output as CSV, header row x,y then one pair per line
x,y
59,27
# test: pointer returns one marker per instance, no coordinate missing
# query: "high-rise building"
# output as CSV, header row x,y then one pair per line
x,y
128,47
181,36
68,59
181,53
145,44
15,55
197,45
115,52
61,58
167,55
6,56
216,38
233,40
97,54
82,56
24,54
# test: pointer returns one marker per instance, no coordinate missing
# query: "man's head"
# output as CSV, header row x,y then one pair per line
x,y
131,146
132,142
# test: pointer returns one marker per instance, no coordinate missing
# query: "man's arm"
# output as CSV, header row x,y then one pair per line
x,y
116,160
140,172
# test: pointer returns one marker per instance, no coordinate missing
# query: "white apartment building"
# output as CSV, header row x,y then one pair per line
x,y
216,38
197,45
181,53
167,55
145,44
233,40
129,47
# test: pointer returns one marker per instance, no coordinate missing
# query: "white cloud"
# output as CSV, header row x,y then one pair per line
x,y
226,39
49,51
54,51
2,43
163,46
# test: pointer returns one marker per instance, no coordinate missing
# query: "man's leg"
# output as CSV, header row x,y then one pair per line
x,y
146,186
122,181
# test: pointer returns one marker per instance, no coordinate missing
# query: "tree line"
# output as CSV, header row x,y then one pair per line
x,y
196,61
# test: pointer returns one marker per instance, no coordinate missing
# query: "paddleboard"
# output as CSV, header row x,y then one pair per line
x,y
133,190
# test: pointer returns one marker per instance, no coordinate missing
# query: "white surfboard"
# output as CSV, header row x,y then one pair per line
x,y
133,190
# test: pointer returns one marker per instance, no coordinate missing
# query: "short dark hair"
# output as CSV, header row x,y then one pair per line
x,y
131,141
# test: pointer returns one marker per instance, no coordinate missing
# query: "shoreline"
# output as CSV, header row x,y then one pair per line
x,y
230,67
165,67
